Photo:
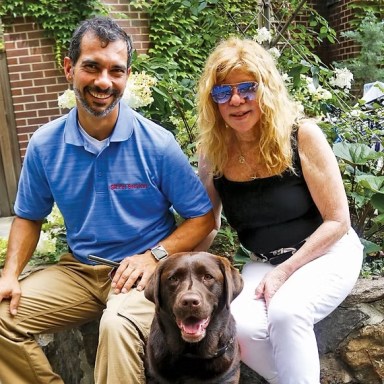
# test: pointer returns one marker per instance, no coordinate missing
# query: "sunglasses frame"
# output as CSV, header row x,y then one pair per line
x,y
249,93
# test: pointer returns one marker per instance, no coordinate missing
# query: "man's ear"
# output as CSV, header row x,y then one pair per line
x,y
68,69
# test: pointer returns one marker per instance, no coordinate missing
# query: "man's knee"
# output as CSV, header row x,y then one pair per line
x,y
113,324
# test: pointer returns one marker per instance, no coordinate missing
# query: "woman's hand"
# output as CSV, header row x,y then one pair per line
x,y
270,284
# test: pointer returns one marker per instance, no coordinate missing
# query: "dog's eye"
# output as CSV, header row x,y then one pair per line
x,y
173,279
207,276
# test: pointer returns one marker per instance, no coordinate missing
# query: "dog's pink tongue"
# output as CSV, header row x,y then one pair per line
x,y
193,326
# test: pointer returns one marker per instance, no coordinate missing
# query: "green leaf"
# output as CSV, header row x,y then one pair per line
x,y
374,183
379,219
370,247
355,153
377,202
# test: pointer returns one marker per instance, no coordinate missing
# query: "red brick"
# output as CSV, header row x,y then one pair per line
x,y
47,112
33,75
17,52
22,84
33,91
15,92
23,99
39,121
30,111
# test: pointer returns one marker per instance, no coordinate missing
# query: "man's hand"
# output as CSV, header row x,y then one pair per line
x,y
10,289
135,269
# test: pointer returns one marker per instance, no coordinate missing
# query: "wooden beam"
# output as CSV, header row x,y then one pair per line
x,y
9,147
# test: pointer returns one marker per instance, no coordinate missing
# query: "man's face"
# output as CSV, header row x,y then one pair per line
x,y
100,75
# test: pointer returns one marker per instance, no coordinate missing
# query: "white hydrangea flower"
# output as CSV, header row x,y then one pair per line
x,y
263,34
275,53
343,78
355,112
310,85
322,94
286,78
137,92
46,243
55,216
317,93
67,99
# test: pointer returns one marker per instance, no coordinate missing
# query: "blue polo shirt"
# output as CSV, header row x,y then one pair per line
x,y
115,203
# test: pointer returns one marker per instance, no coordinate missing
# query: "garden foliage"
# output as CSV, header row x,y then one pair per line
x,y
183,32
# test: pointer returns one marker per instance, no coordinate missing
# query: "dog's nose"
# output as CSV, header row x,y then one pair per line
x,y
190,300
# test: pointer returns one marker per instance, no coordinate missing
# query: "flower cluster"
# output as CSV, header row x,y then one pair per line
x,y
263,35
342,78
52,229
317,93
47,243
67,99
137,92
55,219
275,53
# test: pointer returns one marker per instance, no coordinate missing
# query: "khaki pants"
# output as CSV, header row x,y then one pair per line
x,y
66,295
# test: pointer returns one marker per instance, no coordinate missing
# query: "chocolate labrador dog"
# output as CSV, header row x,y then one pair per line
x,y
193,334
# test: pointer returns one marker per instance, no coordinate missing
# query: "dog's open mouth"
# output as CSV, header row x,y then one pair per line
x,y
192,328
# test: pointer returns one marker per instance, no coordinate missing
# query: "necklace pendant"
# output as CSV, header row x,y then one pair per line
x,y
241,159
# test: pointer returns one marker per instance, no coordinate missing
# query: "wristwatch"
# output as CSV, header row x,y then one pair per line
x,y
159,252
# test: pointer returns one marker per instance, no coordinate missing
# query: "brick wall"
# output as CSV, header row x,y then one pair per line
x,y
37,81
35,78
339,17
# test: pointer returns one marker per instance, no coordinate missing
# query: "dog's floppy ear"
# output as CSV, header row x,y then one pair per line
x,y
152,290
233,282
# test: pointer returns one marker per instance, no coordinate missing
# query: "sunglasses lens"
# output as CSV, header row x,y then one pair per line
x,y
221,93
247,90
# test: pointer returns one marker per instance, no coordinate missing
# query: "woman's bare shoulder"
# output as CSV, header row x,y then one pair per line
x,y
309,131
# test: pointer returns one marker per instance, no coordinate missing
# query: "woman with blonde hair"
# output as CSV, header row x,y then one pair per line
x,y
278,183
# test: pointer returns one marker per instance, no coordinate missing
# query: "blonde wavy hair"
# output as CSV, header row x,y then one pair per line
x,y
279,113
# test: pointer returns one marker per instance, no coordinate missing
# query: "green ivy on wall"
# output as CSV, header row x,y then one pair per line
x,y
58,18
362,7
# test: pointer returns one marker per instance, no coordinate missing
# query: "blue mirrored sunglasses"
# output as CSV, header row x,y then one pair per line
x,y
223,93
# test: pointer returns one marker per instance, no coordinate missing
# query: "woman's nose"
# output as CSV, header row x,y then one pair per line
x,y
236,99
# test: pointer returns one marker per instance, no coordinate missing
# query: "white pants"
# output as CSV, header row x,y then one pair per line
x,y
279,343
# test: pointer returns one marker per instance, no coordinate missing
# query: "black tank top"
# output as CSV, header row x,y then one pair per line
x,y
272,212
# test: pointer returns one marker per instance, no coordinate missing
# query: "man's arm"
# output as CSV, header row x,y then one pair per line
x,y
22,242
190,233
187,235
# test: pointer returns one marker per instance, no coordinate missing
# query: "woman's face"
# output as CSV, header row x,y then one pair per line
x,y
240,113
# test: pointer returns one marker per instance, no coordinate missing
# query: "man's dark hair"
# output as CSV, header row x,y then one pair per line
x,y
105,29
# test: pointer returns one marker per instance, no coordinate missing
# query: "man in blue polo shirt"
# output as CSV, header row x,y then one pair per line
x,y
116,178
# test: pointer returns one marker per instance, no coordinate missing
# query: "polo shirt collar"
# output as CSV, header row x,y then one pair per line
x,y
123,129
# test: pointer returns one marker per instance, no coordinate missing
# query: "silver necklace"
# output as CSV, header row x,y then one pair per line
x,y
242,160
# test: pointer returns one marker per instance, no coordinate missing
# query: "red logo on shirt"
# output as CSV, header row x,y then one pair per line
x,y
128,186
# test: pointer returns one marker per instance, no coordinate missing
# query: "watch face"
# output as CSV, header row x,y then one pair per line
x,y
159,252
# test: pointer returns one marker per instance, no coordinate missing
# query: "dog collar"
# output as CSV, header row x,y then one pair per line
x,y
218,353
